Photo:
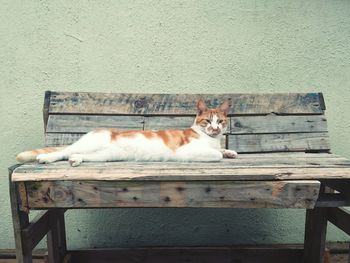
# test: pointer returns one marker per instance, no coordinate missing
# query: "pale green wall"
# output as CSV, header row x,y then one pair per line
x,y
169,46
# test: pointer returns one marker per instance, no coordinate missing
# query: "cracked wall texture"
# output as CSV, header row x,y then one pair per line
x,y
170,46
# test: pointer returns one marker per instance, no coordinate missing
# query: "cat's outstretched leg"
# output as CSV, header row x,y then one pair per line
x,y
90,142
105,155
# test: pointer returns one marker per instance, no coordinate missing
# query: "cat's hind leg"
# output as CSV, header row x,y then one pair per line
x,y
105,155
90,142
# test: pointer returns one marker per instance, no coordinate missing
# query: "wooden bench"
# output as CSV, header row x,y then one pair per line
x,y
284,162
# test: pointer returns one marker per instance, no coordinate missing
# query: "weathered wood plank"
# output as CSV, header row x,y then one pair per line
x,y
248,124
86,123
225,170
270,161
168,122
182,104
340,217
291,173
292,194
278,124
57,139
242,125
279,142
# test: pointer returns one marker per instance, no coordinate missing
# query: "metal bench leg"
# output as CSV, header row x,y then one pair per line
x,y
20,221
56,237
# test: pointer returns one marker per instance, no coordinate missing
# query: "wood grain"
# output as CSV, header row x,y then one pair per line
x,y
58,139
66,129
167,122
278,124
298,159
284,142
72,194
182,104
156,174
248,124
290,173
86,123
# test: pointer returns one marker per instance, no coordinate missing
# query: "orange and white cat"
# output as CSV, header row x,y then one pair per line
x,y
200,143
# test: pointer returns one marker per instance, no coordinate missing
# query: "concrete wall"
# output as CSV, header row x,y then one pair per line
x,y
169,46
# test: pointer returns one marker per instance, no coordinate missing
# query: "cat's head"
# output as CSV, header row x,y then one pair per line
x,y
213,122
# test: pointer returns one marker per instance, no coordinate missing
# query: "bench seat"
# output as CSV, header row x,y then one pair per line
x,y
278,180
248,167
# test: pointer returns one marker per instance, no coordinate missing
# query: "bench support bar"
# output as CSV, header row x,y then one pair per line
x,y
340,217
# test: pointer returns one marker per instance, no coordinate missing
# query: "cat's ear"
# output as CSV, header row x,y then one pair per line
x,y
225,106
201,106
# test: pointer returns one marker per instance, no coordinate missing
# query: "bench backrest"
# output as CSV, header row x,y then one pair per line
x,y
258,122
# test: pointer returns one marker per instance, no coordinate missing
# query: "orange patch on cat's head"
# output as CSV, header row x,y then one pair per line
x,y
223,108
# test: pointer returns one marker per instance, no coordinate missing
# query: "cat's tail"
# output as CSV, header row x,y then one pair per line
x,y
30,156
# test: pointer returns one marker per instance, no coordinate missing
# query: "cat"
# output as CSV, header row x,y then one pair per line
x,y
200,143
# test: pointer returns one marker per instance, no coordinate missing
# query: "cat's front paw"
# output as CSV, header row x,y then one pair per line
x,y
229,154
75,160
45,158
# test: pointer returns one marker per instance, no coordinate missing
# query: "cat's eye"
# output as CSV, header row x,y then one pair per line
x,y
207,120
220,121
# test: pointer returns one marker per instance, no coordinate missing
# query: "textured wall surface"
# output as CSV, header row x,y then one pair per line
x,y
169,46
